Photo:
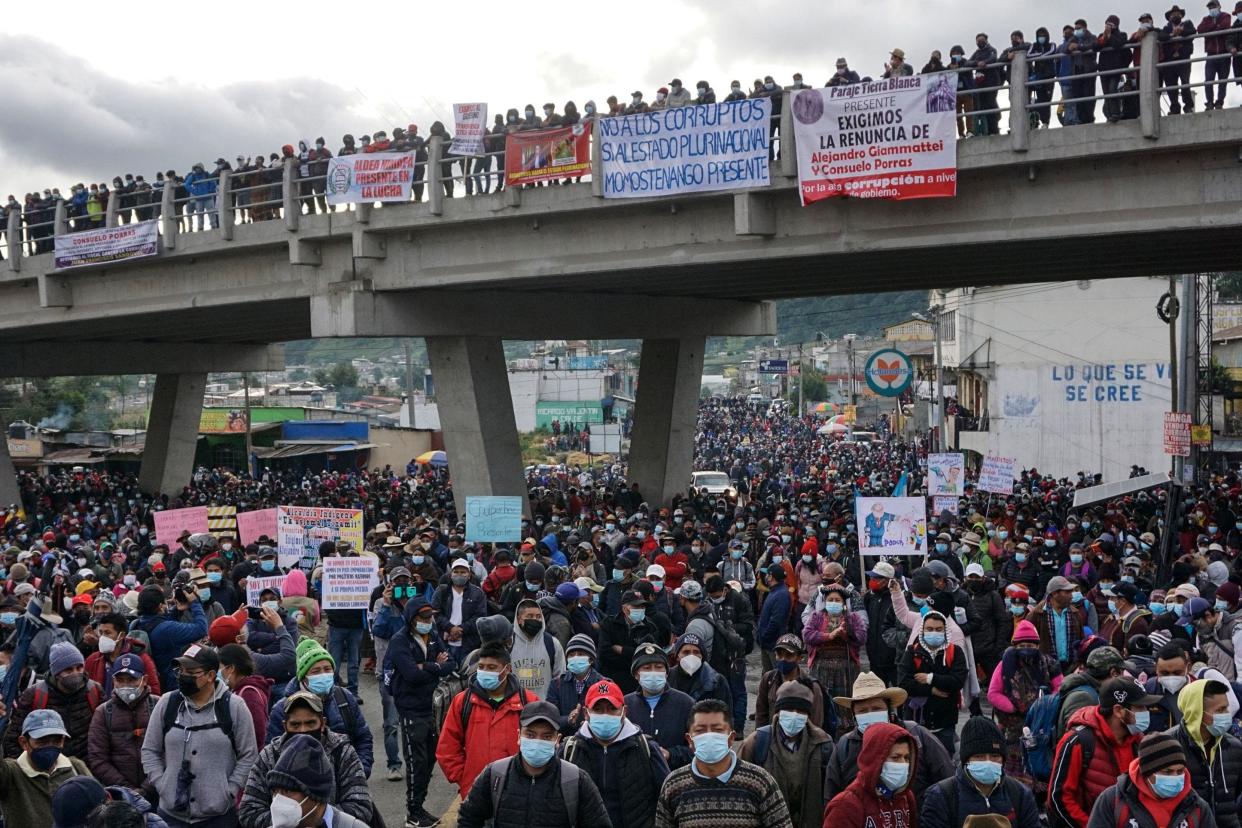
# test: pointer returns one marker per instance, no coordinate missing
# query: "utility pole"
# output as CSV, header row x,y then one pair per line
x,y
801,380
249,439
409,382
938,398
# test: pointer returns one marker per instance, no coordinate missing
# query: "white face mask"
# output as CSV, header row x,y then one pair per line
x,y
691,664
1172,684
106,644
286,812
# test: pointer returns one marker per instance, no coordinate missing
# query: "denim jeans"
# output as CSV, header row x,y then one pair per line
x,y
392,729
345,647
205,205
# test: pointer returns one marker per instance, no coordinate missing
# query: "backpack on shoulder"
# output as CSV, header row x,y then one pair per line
x,y
570,776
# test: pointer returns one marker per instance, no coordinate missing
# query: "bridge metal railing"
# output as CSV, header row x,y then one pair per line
x,y
278,192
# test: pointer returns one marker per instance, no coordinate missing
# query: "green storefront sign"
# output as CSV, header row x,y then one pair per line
x,y
566,411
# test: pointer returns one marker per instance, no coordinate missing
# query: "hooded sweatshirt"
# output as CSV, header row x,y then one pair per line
x,y
1214,765
866,801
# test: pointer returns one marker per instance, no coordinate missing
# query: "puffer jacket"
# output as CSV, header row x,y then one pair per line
x,y
1076,783
1215,769
864,801
1127,803
351,795
991,633
114,742
490,733
1009,799
705,683
75,709
339,720
628,777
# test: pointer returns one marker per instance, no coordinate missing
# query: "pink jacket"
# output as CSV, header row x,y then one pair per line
x,y
808,580
996,690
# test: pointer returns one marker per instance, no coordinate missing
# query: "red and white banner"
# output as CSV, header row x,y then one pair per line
x,y
1177,433
548,154
892,139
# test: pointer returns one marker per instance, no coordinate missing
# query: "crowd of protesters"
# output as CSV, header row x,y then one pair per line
x,y
1041,659
1082,64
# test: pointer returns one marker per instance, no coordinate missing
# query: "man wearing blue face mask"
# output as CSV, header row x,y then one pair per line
x,y
620,636
627,765
1213,753
979,787
795,751
1155,790
659,710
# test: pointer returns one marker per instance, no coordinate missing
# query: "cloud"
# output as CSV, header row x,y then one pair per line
x,y
65,118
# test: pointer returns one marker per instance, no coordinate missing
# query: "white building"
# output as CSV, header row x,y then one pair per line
x,y
1063,377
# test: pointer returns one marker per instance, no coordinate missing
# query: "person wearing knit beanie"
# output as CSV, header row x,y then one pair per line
x,y
303,776
315,667
1025,631
1155,790
63,656
982,792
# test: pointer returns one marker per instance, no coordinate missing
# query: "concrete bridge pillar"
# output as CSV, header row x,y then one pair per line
x,y
670,373
8,477
172,432
476,417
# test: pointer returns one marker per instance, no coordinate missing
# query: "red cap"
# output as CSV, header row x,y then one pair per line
x,y
49,536
85,599
605,690
226,628
158,566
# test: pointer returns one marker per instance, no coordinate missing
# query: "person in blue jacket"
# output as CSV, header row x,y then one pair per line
x,y
774,616
979,787
416,661
554,548
568,690
169,637
316,672
201,186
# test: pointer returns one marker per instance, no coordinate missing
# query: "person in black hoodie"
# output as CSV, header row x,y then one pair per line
x,y
1114,55
934,669
447,159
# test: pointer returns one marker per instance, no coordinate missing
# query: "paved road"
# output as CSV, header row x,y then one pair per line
x,y
442,798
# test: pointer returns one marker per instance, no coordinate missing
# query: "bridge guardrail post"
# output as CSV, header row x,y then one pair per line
x,y
435,175
60,219
789,152
13,239
1019,98
293,207
113,210
597,161
224,205
1149,86
168,214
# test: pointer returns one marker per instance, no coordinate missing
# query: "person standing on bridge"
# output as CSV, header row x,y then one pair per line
x,y
1216,68
1174,48
202,188
990,76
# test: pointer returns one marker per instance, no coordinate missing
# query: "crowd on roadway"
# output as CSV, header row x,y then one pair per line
x,y
1087,68
1041,659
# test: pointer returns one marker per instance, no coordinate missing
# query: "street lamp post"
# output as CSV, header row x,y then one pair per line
x,y
933,316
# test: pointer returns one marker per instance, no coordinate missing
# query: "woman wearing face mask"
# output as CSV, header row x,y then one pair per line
x,y
933,670
880,792
1155,789
834,636
1015,686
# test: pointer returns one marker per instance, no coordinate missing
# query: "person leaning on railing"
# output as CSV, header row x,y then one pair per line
x,y
1176,45
1114,55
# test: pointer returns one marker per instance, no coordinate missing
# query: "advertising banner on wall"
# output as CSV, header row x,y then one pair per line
x,y
107,245
368,177
222,421
689,149
548,154
567,411
891,139
891,525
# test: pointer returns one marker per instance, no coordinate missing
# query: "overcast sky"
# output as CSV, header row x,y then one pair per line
x,y
94,91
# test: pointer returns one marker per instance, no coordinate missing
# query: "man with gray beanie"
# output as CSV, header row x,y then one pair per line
x,y
795,751
66,690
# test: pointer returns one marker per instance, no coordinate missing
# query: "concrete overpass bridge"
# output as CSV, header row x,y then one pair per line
x,y
1144,197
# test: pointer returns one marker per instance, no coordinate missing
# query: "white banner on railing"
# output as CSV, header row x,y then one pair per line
x,y
469,127
686,150
103,246
374,176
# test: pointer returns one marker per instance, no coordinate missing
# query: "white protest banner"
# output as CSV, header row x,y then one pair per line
x,y
940,505
469,127
686,150
375,176
253,525
347,582
106,245
996,475
891,139
255,587
891,525
1177,433
946,474
170,523
301,529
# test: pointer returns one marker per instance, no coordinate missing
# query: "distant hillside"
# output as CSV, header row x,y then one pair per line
x,y
865,313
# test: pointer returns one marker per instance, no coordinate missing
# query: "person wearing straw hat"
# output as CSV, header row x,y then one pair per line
x,y
871,702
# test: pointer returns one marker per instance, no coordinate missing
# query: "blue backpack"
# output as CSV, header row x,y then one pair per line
x,y
1039,747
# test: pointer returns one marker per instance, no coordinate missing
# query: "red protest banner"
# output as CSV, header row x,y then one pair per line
x,y
548,154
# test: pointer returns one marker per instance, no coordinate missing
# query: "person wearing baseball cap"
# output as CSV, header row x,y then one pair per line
x,y
1058,623
513,789
1157,789
114,752
1125,617
200,742
1099,744
459,604
621,635
28,783
628,765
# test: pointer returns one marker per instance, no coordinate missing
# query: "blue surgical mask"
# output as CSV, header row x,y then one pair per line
x,y
267,565
792,722
984,772
418,560
834,607
942,547
1020,557
618,574
933,639
1049,542
1112,606
321,684
895,775
531,586
215,577
1167,787
422,627
605,726
1157,608
638,615
8,618
537,752
1016,609
1221,606
1142,721
710,748
1219,726
652,681
1076,597
865,720
487,679
578,665
1075,559
1002,534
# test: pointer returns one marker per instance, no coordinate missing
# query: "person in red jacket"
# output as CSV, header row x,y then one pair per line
x,y
1098,746
880,793
675,561
502,573
114,642
1216,25
481,724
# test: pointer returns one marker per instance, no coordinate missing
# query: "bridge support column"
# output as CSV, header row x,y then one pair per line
x,y
172,432
8,477
476,416
670,374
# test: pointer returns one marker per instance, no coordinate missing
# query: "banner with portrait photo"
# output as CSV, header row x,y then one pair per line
x,y
891,525
890,139
548,154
